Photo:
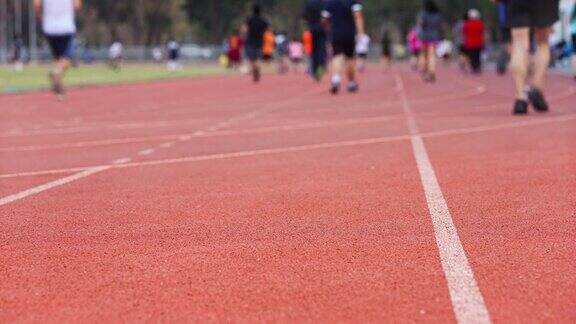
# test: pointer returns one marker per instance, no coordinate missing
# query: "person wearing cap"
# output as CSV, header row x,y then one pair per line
x,y
474,30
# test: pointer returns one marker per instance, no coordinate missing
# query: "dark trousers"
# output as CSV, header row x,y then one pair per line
x,y
319,53
474,54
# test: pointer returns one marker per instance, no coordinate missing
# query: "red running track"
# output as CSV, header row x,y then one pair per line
x,y
214,200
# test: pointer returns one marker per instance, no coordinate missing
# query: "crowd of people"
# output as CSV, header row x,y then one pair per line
x,y
336,34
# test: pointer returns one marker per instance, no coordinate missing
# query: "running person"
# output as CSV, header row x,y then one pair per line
x,y
173,48
415,45
346,25
474,30
58,18
386,44
254,29
296,54
573,32
524,15
459,40
430,24
319,56
505,38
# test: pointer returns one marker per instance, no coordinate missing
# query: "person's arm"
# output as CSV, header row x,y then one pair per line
x,y
326,20
244,30
358,18
38,8
77,5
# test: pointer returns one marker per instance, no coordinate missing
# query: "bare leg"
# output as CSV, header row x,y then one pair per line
x,y
255,66
429,64
351,69
57,75
386,62
338,63
431,52
520,57
542,57
574,64
337,68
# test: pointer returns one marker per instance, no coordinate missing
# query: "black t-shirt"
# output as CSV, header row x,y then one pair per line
x,y
256,28
341,15
313,13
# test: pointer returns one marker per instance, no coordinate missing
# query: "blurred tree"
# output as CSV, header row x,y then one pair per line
x,y
147,22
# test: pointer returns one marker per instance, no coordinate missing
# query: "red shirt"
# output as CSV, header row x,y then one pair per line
x,y
474,34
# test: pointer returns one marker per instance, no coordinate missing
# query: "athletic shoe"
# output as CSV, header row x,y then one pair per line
x,y
538,100
429,77
520,107
256,75
353,87
334,88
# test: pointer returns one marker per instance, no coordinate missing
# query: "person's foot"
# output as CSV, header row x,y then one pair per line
x,y
256,76
538,100
353,87
56,84
520,107
334,88
429,77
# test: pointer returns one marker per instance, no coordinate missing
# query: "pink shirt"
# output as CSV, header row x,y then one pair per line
x,y
296,50
414,41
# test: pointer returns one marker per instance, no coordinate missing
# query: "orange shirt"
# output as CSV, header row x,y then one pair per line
x,y
269,43
308,42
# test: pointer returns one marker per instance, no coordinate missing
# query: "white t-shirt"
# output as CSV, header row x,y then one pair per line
x,y
363,44
173,46
116,50
58,17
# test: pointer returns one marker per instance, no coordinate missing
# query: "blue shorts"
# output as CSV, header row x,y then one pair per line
x,y
62,46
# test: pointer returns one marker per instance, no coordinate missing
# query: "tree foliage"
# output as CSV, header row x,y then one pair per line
x,y
152,21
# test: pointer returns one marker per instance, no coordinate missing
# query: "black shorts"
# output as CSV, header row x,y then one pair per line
x,y
253,53
62,46
505,35
386,51
363,55
173,55
344,47
533,13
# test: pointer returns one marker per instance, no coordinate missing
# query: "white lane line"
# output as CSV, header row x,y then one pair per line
x,y
167,145
146,152
369,141
115,164
121,161
51,185
467,300
188,137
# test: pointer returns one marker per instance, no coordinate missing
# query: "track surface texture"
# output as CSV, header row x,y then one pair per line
x,y
216,200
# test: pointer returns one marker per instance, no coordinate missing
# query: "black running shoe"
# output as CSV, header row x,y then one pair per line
x,y
537,100
353,87
335,88
520,107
